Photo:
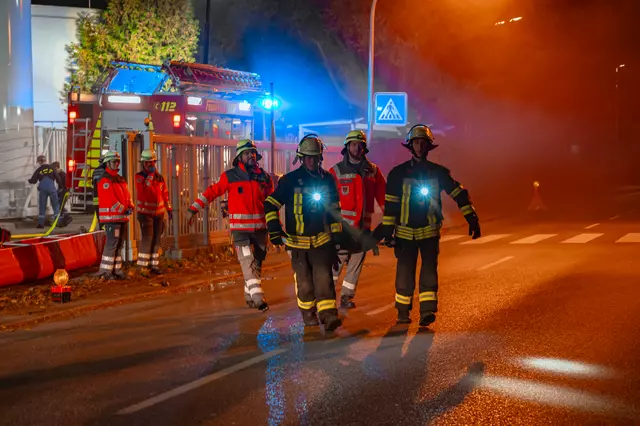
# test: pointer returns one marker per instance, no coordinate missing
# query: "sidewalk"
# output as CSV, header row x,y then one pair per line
x,y
24,306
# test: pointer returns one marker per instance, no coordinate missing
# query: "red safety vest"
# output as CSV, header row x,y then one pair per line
x,y
152,195
357,192
246,197
114,198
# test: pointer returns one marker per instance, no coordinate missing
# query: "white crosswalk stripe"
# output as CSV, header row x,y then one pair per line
x,y
451,237
534,239
582,238
486,239
630,238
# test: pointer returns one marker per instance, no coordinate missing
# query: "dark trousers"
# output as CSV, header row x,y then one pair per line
x,y
111,254
313,277
407,254
152,228
251,248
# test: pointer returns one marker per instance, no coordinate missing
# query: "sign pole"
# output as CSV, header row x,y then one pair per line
x,y
272,154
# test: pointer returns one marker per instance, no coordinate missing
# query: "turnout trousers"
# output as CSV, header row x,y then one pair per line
x,y
354,262
251,248
313,278
111,263
406,252
152,228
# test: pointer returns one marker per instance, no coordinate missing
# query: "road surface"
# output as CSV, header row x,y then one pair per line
x,y
538,325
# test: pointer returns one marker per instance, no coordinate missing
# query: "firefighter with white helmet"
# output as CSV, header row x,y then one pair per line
x,y
114,209
412,221
360,184
247,186
152,202
313,227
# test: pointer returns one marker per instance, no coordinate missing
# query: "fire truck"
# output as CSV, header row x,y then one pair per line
x,y
131,101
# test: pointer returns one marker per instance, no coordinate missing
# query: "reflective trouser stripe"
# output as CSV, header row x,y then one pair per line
x,y
347,284
143,259
324,305
404,300
155,259
253,286
428,296
306,305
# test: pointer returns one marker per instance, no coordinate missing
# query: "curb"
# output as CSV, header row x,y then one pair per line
x,y
56,316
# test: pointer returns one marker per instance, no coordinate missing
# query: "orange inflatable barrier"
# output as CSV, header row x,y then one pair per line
x,y
37,258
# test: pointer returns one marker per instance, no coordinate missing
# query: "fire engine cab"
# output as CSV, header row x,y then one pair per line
x,y
132,100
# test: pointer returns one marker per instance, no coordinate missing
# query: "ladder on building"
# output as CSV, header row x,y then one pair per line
x,y
81,191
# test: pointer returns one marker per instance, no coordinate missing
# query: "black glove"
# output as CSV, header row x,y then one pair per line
x,y
383,232
474,227
368,241
276,237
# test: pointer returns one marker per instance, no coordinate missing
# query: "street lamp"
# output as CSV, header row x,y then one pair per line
x,y
370,118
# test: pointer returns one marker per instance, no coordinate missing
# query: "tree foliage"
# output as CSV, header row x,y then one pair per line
x,y
143,31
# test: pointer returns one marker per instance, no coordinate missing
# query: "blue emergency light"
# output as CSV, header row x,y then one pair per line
x,y
316,196
424,191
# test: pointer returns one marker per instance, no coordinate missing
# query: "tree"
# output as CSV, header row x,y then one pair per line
x,y
143,31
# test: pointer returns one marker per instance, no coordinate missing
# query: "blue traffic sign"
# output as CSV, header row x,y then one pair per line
x,y
391,108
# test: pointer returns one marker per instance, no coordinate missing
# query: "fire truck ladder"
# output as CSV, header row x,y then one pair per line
x,y
81,194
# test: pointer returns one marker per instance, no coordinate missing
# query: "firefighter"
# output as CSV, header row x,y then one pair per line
x,y
247,185
412,221
98,172
46,189
359,183
152,202
114,209
312,221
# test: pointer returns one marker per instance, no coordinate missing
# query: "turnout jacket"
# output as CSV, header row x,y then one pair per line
x,y
413,205
311,208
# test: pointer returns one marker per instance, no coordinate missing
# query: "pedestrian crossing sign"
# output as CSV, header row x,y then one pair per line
x,y
391,108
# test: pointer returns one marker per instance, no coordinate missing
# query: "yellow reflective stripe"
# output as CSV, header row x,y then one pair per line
x,y
320,239
306,305
428,296
404,207
323,305
391,198
336,227
297,213
304,242
271,216
456,191
273,201
388,220
407,233
403,300
432,219
466,210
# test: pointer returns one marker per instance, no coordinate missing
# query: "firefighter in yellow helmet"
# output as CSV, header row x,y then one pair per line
x,y
313,225
152,203
412,221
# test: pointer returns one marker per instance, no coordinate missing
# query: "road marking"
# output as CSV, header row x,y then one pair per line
x,y
446,238
630,238
379,310
497,262
487,239
614,217
534,239
200,382
582,238
591,226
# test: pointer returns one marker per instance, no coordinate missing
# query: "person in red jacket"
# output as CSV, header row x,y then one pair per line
x,y
152,202
359,183
114,209
248,186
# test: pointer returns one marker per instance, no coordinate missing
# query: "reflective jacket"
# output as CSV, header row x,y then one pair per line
x,y
358,186
97,174
247,192
114,198
312,208
152,194
412,201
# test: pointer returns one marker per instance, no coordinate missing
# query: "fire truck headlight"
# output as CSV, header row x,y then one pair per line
x,y
424,191
316,196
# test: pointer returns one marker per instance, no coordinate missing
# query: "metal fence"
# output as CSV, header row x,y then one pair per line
x,y
190,165
52,142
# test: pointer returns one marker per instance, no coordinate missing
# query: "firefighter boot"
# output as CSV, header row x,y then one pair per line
x,y
346,302
310,318
403,317
331,321
426,318
250,303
